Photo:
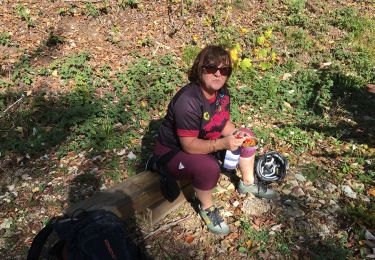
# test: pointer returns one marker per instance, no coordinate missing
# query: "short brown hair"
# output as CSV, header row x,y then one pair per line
x,y
210,55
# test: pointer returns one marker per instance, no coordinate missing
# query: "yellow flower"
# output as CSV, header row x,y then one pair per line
x,y
273,56
243,30
268,33
234,55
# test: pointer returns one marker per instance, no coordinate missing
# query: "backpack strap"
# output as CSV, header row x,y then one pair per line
x,y
162,161
168,184
158,163
39,241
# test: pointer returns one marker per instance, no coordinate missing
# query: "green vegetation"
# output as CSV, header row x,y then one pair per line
x,y
299,81
25,14
257,239
5,39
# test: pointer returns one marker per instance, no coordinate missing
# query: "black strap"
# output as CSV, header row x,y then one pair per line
x,y
162,161
168,184
38,242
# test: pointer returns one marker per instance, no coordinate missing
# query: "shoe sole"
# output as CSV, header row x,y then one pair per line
x,y
258,196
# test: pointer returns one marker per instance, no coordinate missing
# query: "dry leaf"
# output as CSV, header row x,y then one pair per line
x,y
325,64
286,104
286,76
371,88
233,235
189,239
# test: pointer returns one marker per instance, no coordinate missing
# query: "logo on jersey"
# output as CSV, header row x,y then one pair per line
x,y
206,116
181,166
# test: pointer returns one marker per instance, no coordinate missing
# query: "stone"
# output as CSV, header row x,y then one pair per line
x,y
132,156
357,186
311,188
26,177
294,183
231,187
277,228
255,206
300,177
297,191
292,209
236,203
348,192
324,230
332,202
331,187
369,236
364,198
334,209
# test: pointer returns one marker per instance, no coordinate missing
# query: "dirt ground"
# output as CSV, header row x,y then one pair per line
x,y
311,211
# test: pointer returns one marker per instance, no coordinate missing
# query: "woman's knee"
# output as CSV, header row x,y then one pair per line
x,y
206,173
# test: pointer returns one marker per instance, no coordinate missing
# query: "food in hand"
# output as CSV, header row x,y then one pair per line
x,y
250,142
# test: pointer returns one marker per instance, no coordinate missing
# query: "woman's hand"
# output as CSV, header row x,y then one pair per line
x,y
232,142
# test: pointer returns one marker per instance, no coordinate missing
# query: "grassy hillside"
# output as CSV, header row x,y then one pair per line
x,y
84,85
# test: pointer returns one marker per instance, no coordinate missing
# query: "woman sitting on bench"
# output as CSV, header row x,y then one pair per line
x,y
198,124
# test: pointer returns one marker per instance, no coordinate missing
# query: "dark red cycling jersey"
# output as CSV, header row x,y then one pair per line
x,y
191,114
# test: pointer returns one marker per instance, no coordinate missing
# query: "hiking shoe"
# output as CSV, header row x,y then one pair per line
x,y
257,190
213,220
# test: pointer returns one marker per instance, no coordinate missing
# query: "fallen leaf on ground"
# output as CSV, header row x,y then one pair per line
x,y
233,235
189,239
371,192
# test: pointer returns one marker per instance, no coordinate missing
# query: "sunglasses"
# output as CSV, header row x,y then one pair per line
x,y
212,69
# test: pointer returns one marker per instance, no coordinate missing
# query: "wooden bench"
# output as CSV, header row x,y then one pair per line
x,y
139,194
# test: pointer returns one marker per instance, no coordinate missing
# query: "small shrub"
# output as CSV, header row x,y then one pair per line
x,y
313,172
189,53
128,3
296,13
299,39
254,241
5,39
347,19
25,15
91,10
299,140
53,39
23,71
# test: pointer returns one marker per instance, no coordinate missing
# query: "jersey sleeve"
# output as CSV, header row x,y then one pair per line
x,y
188,116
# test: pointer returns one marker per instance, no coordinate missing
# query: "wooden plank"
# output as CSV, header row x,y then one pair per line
x,y
135,194
162,208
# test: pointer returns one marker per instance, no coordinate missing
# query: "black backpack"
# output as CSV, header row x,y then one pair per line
x,y
97,235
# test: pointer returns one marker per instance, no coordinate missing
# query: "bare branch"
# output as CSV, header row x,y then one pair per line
x,y
167,226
